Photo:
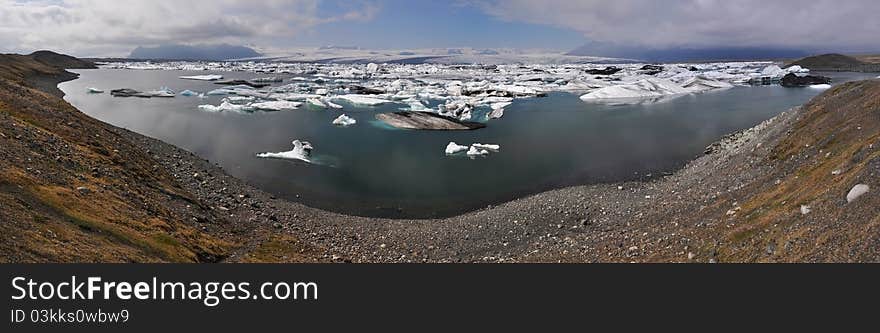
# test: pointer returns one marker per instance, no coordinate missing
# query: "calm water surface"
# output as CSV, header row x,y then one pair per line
x,y
374,171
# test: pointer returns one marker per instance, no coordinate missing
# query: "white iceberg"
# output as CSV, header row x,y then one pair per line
x,y
474,151
203,77
188,93
773,71
820,86
486,147
332,105
270,79
344,120
645,88
226,107
496,114
453,148
316,103
302,150
364,100
700,84
276,105
94,91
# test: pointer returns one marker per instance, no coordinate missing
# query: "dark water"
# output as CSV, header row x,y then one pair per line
x,y
546,143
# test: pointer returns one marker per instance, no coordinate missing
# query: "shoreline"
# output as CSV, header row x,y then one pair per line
x,y
693,215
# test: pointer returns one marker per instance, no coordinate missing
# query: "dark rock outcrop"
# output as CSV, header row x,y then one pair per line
x,y
607,71
426,121
361,90
792,80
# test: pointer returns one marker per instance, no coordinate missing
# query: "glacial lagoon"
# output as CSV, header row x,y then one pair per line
x,y
370,169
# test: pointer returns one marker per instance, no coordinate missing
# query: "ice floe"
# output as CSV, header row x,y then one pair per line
x,y
344,121
474,151
188,93
820,86
276,105
645,88
302,151
94,91
226,106
212,77
362,100
454,148
487,146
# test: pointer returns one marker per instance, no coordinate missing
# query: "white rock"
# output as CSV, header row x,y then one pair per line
x,y
857,191
805,209
344,120
453,148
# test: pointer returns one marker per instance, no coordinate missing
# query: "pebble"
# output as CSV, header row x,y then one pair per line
x,y
857,191
83,190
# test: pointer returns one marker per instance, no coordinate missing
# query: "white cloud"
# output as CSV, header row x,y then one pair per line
x,y
785,23
110,27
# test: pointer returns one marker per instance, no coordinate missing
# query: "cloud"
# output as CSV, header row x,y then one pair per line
x,y
702,23
102,27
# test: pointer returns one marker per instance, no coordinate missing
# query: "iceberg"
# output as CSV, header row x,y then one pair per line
x,y
773,71
276,105
332,105
453,148
203,77
316,103
302,150
363,100
188,93
344,121
645,88
820,86
701,84
496,114
94,91
486,147
164,92
270,79
474,151
226,107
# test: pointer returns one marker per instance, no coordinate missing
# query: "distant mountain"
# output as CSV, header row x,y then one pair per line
x,y
686,54
836,62
194,52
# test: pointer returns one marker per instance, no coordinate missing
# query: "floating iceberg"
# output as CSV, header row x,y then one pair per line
x,y
486,147
226,106
474,151
188,93
820,86
276,105
496,114
364,100
773,71
332,105
701,84
94,91
645,88
203,77
316,103
302,150
267,79
344,120
453,148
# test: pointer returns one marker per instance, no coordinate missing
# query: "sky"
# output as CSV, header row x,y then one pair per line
x,y
114,28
